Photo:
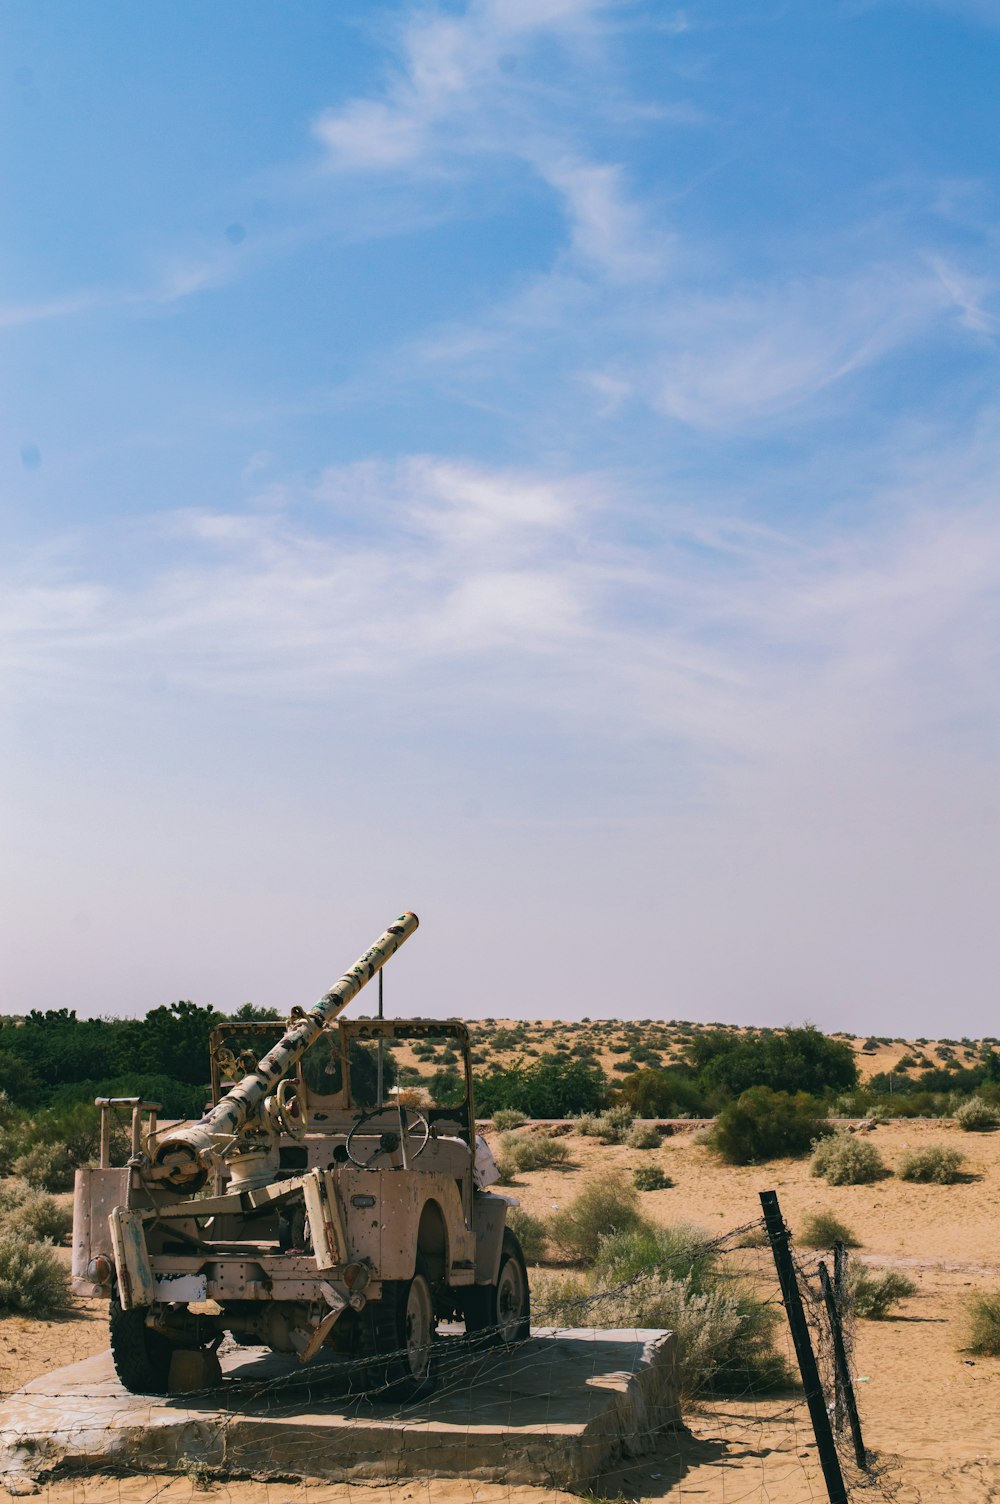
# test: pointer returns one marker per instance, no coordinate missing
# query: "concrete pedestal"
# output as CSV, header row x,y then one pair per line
x,y
555,1411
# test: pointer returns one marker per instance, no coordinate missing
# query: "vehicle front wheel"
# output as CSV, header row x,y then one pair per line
x,y
402,1338
141,1356
500,1315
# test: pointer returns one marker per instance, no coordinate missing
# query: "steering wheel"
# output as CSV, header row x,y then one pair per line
x,y
389,1141
288,1109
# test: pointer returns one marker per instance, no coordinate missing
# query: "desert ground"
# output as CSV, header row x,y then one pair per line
x,y
929,1410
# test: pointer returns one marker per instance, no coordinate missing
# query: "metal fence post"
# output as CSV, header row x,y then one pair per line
x,y
845,1387
778,1235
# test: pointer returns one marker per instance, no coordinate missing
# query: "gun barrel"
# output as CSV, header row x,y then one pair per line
x,y
191,1150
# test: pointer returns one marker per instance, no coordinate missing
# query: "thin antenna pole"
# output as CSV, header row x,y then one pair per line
x,y
381,1046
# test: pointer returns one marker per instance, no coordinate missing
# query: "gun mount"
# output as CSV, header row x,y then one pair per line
x,y
185,1157
337,1220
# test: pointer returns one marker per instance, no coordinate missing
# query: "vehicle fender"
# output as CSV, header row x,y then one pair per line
x,y
490,1219
136,1284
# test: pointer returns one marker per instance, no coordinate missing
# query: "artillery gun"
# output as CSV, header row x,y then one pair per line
x,y
306,1211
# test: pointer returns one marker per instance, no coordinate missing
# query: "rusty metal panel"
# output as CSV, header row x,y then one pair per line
x,y
445,1156
385,1232
360,1191
96,1194
287,1266
136,1284
236,1279
81,1224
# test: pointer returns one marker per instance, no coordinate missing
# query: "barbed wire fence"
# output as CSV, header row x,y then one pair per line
x,y
718,1413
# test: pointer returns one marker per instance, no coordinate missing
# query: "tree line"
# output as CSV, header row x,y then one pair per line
x,y
55,1060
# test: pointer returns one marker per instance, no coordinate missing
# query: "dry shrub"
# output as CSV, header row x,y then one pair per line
x,y
31,1277
935,1165
413,1096
47,1167
612,1126
977,1116
532,1151
874,1295
651,1178
982,1317
604,1206
530,1233
823,1229
17,1135
846,1159
643,1136
506,1118
724,1334
563,1300
31,1214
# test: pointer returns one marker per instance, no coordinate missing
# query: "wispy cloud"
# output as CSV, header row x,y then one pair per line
x,y
761,351
522,593
456,96
15,315
453,69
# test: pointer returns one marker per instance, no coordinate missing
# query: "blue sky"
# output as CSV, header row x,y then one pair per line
x,y
530,461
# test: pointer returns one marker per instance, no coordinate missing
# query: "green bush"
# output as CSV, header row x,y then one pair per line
x,y
651,1178
664,1094
982,1316
553,1086
823,1229
605,1205
937,1165
848,1159
643,1136
795,1059
78,1128
678,1252
17,1135
764,1124
30,1214
46,1167
530,1233
177,1099
874,1295
32,1279
977,1116
506,1118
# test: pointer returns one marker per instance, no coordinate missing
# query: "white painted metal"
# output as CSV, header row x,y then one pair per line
x,y
136,1284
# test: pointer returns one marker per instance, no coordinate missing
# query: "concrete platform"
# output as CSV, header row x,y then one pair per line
x,y
555,1411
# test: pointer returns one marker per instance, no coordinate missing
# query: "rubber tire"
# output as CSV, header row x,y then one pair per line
x,y
141,1356
389,1371
486,1312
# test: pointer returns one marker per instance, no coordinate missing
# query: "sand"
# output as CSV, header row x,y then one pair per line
x,y
929,1410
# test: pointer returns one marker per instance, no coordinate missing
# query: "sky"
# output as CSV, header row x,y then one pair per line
x,y
533,462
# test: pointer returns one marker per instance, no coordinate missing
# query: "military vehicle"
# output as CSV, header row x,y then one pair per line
x,y
310,1210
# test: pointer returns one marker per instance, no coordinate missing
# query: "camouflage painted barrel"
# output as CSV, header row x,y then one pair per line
x,y
191,1150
